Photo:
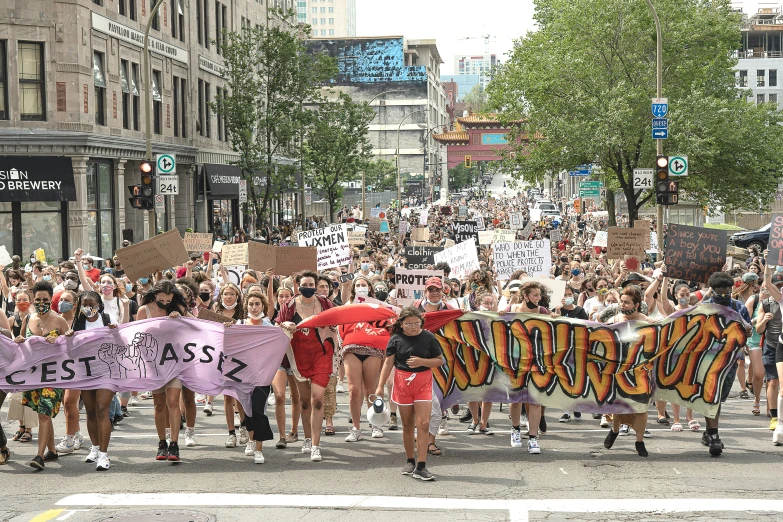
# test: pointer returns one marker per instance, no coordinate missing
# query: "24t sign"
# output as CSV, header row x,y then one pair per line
x,y
168,185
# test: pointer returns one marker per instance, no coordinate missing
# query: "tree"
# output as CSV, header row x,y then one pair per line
x,y
584,82
336,147
462,177
270,75
381,175
476,99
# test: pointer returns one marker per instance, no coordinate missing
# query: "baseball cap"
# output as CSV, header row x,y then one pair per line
x,y
634,279
433,281
750,277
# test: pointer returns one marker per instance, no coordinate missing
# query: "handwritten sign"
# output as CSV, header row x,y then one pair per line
x,y
403,227
643,224
485,237
234,254
516,220
197,242
775,256
421,256
209,315
157,253
555,236
284,260
423,217
534,257
525,234
5,257
356,237
332,244
479,223
462,258
502,235
465,231
420,234
626,242
463,210
410,284
600,239
375,224
217,246
694,253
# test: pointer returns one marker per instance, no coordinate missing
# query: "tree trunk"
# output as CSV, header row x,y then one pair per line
x,y
610,208
633,206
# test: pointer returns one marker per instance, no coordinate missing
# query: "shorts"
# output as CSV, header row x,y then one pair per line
x,y
753,348
410,387
729,382
435,415
330,398
768,357
288,371
173,383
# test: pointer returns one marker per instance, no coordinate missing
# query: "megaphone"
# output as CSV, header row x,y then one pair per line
x,y
378,413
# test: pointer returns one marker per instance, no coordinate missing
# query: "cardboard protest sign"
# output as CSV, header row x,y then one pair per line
x,y
643,224
284,260
465,231
410,284
525,234
555,236
600,239
209,315
423,217
626,242
479,223
516,220
234,254
462,258
197,242
534,257
332,243
502,235
421,256
694,253
356,237
157,253
485,237
775,255
375,225
420,234
403,227
463,210
449,243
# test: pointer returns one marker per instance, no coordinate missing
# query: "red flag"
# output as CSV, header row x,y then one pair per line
x,y
434,321
352,313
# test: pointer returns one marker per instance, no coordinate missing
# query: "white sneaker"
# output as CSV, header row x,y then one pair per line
x,y
258,457
208,409
231,442
270,402
190,439
78,440
94,453
250,448
243,436
377,433
516,438
604,422
168,435
472,428
103,462
777,437
200,399
532,446
523,422
66,445
624,429
566,417
443,429
133,401
146,395
354,435
340,387
307,446
315,454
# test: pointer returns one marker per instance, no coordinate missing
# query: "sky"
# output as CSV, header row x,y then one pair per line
x,y
446,22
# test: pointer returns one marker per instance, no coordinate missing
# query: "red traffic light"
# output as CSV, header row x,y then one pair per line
x,y
146,167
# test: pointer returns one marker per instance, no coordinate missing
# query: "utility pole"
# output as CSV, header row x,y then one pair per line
x,y
147,102
659,94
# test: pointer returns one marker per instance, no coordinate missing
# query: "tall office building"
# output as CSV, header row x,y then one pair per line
x,y
481,65
328,17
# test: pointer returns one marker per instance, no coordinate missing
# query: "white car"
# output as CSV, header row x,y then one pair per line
x,y
554,214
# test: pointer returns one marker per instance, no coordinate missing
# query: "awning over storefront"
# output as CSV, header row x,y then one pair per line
x,y
36,178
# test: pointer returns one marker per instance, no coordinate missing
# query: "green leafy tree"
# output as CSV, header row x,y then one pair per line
x,y
336,147
381,175
476,99
461,177
584,81
270,75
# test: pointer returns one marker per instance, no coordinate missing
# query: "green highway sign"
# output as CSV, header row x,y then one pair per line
x,y
590,193
590,184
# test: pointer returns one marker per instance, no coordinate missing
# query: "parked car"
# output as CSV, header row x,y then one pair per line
x,y
747,239
553,213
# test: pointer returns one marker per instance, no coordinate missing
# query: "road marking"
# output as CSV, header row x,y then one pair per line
x,y
47,515
677,471
564,471
70,513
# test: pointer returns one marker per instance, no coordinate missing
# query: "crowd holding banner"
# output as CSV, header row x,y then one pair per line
x,y
534,311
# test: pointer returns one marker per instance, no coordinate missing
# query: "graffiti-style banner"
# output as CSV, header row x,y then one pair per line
x,y
589,367
144,355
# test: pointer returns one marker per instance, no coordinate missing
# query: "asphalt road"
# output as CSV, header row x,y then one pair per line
x,y
478,477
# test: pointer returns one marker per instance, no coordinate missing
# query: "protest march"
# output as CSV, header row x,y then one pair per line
x,y
426,313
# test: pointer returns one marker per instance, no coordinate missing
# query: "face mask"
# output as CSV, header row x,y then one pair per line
x,y
22,307
161,305
42,308
65,307
47,278
779,269
86,267
483,308
530,304
128,287
568,301
204,296
70,284
32,259
474,286
628,311
144,280
365,266
684,301
89,311
229,307
107,289
381,295
307,293
362,291
255,316
575,272
435,303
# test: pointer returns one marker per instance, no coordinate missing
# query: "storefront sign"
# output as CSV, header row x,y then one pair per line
x,y
36,178
205,64
132,36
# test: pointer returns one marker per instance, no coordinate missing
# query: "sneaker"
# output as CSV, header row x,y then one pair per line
x,y
408,468
231,441
201,399
377,433
237,420
307,446
78,440
604,422
422,474
773,424
455,409
258,457
471,428
290,438
315,454
243,436
37,463
50,457
577,415
777,437
270,402
443,429
340,387
190,439
393,422
523,424
532,446
716,446
542,425
597,416
208,409
103,463
173,455
124,410
467,417
565,418
163,450
516,438
168,435
354,435
93,455
647,434
133,401
250,448
66,445
486,431
281,443
625,429
146,395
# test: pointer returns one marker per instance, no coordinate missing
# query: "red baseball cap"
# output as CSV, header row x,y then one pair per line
x,y
433,281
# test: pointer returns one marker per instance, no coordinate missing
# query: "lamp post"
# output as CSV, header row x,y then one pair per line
x,y
399,182
147,104
364,185
659,94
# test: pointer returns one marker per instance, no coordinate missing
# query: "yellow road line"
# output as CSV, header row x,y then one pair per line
x,y
47,515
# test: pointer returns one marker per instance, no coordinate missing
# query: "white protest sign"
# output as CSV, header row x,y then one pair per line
x,y
534,257
403,227
556,287
217,246
479,223
516,219
485,237
356,237
501,235
5,258
410,284
462,258
535,214
332,243
527,230
601,238
555,236
654,243
423,217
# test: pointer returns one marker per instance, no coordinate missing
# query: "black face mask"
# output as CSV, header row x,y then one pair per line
x,y
161,305
381,295
204,296
530,304
307,292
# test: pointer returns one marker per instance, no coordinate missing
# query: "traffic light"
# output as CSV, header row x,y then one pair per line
x,y
468,161
143,195
662,180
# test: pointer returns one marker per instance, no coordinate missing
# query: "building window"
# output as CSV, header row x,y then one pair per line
x,y
331,9
315,10
42,224
772,98
128,8
759,98
198,22
178,22
224,25
183,90
206,22
323,21
135,95
331,21
218,27
100,209
32,96
97,2
207,111
100,88
155,19
221,95
3,81
760,78
200,114
742,79
773,77
323,9
315,21
331,32
157,103
125,87
175,88
323,32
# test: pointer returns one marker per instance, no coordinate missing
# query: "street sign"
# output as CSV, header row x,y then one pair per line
x,y
643,178
660,106
590,193
660,134
660,123
160,207
167,163
678,165
603,193
590,184
168,185
574,173
242,191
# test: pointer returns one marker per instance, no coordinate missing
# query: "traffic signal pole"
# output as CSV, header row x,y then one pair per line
x,y
659,94
147,102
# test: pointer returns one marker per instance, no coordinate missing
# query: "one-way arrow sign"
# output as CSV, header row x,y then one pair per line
x,y
660,134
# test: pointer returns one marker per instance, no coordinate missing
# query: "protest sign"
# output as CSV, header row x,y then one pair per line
x,y
694,253
462,258
775,255
535,214
449,243
144,355
403,227
421,256
555,236
384,227
5,257
502,235
40,255
217,246
234,254
234,273
356,237
197,242
485,237
525,234
479,223
626,242
534,257
516,220
555,287
729,263
465,231
332,243
600,239
410,284
374,225
423,217
653,243
284,260
463,210
209,315
445,210
377,212
643,224
420,234
157,253
598,368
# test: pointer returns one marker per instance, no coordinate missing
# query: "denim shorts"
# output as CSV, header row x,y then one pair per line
x,y
768,358
729,382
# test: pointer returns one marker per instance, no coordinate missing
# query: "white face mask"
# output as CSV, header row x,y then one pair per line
x,y
255,316
229,307
362,291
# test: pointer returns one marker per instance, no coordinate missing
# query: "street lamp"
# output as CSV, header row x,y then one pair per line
x,y
659,94
399,182
147,104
